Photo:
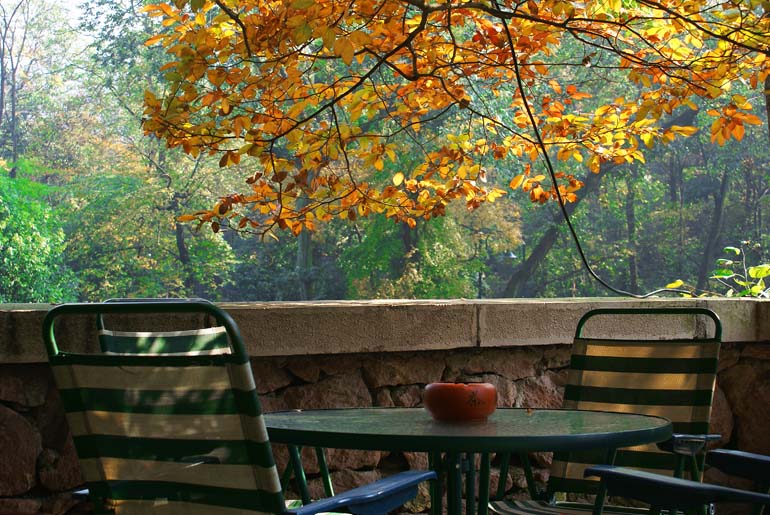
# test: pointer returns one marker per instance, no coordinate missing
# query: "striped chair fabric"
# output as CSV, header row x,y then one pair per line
x,y
208,340
674,379
183,439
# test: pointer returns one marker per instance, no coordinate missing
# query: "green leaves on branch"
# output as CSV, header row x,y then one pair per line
x,y
740,279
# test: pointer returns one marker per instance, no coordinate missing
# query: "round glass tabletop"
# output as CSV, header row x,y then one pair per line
x,y
507,429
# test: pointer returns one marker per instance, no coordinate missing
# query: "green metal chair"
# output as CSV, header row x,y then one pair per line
x,y
662,492
671,378
176,432
211,339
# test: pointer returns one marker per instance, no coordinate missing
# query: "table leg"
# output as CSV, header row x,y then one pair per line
x,y
299,474
469,463
436,487
454,492
484,483
505,463
325,476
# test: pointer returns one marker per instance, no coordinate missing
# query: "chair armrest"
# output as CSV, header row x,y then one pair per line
x,y
664,491
687,445
741,464
377,498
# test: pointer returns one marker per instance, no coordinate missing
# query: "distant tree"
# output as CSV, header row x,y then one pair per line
x,y
32,265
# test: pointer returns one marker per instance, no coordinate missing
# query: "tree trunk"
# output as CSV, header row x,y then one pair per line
x,y
715,231
767,103
633,276
304,265
527,269
183,253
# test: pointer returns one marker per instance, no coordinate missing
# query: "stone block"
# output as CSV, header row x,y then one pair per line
x,y
331,392
20,445
408,396
511,363
20,506
721,421
24,386
268,375
59,471
747,388
344,327
541,392
403,369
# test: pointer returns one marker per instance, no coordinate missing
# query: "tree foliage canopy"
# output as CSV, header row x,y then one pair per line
x,y
323,94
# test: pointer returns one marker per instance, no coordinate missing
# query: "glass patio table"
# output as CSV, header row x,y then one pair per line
x,y
506,430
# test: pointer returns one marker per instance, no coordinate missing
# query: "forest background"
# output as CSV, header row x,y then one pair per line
x,y
89,206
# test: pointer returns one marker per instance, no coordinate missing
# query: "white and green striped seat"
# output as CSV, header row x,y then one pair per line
x,y
672,378
181,433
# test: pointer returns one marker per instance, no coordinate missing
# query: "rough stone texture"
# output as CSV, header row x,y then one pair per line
x,y
20,506
417,460
407,396
541,459
271,403
307,369
540,392
331,392
345,459
24,386
747,388
51,421
729,354
421,503
721,419
412,368
511,363
59,504
268,376
494,482
506,390
333,365
19,448
59,471
336,459
557,356
383,398
756,351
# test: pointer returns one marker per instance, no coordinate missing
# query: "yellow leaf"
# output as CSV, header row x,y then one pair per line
x,y
398,179
684,130
344,48
516,182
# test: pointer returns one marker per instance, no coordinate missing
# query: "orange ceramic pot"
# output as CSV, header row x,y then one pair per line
x,y
460,402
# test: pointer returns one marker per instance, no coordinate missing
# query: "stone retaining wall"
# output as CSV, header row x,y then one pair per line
x,y
37,459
